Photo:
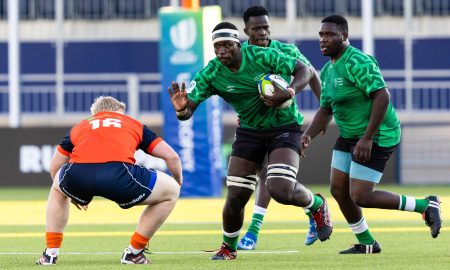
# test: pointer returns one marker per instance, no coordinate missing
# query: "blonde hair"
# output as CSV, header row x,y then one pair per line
x,y
107,104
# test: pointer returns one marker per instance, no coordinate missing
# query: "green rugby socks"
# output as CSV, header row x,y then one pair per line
x,y
411,204
362,233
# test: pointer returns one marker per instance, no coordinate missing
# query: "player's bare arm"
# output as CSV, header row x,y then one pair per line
x,y
302,76
279,96
315,83
319,123
380,104
56,162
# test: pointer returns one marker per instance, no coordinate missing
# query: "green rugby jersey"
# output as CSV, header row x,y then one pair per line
x,y
346,85
286,48
240,89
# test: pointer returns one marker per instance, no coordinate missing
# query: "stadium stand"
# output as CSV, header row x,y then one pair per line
x,y
148,9
109,69
111,47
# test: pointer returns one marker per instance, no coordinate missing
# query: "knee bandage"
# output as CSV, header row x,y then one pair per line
x,y
248,181
282,171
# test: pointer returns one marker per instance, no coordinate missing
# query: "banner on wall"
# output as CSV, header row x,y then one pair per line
x,y
185,48
26,157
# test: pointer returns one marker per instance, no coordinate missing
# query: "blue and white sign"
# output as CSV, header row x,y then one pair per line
x,y
185,48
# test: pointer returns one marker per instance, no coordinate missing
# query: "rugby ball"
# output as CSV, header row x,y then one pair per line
x,y
265,86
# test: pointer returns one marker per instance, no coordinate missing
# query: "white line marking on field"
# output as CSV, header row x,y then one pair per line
x,y
207,232
155,252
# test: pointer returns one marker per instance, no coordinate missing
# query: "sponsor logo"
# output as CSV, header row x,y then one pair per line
x,y
191,87
135,200
338,82
73,196
183,36
283,135
216,113
230,88
186,139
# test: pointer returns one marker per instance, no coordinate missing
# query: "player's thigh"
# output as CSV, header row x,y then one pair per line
x,y
249,147
247,156
284,147
340,166
339,183
342,155
76,182
286,156
242,175
242,167
166,188
372,170
55,184
282,165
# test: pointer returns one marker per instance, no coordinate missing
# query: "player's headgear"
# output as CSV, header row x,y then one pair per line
x,y
225,31
253,12
340,21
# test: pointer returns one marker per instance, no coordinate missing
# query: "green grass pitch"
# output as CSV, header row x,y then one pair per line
x,y
95,239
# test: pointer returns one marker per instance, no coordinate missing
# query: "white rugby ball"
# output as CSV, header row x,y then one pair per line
x,y
265,86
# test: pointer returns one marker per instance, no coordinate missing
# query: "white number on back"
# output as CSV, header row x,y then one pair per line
x,y
107,122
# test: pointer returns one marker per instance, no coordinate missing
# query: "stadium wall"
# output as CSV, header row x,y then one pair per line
x,y
26,156
143,56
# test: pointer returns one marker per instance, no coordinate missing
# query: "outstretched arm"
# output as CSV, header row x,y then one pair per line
x,y
184,107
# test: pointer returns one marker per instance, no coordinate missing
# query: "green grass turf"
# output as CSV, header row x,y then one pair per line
x,y
41,193
401,250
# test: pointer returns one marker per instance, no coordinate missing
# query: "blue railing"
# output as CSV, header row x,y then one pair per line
x,y
38,93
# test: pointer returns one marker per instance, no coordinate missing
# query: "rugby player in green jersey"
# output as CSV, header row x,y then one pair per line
x,y
354,92
264,128
257,28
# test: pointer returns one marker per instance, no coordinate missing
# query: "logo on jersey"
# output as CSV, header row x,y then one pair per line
x,y
338,82
191,87
183,36
230,88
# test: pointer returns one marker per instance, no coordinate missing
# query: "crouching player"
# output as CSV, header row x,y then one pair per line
x,y
96,158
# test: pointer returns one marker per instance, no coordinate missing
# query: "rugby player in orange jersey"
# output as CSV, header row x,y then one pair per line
x,y
96,158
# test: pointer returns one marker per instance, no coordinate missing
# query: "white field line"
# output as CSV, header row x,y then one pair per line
x,y
155,252
208,232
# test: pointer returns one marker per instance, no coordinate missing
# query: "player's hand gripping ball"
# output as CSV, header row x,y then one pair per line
x,y
265,86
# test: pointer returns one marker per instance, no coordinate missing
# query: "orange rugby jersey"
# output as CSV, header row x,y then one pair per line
x,y
106,137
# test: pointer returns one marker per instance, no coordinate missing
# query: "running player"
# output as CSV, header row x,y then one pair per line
x,y
257,28
264,128
354,92
96,158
